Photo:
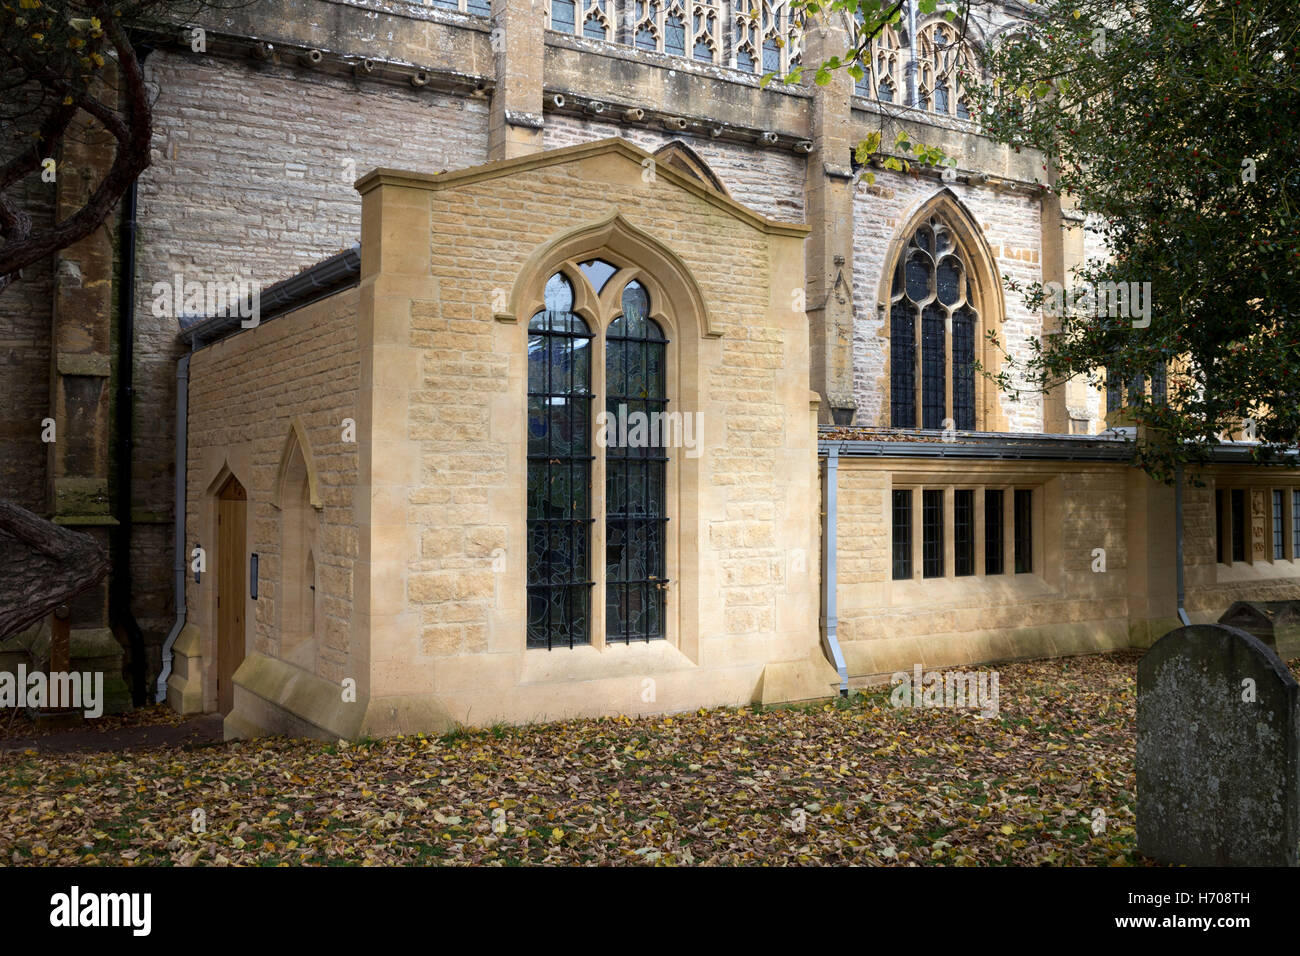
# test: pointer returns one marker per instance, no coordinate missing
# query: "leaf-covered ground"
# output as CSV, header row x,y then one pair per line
x,y
1050,779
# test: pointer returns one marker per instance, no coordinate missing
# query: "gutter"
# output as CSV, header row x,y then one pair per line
x,y
327,277
983,449
1025,446
178,524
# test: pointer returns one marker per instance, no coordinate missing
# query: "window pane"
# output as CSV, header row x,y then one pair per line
x,y
902,535
1024,531
636,306
963,369
902,365
559,473
934,399
919,274
993,504
1238,524
949,281
932,533
1279,546
1218,526
598,272
562,14
636,463
963,531
559,294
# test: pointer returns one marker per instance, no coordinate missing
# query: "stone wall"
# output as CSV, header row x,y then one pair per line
x,y
767,181
245,392
1062,607
1213,587
26,315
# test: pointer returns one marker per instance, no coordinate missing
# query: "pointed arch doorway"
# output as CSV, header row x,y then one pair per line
x,y
232,506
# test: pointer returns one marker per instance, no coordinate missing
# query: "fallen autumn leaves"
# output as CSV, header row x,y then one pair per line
x,y
1048,780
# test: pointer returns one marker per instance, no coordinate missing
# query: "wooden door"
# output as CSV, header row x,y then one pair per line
x,y
231,572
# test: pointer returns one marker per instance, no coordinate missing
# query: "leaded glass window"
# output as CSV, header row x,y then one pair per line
x,y
480,8
559,472
1238,524
636,466
766,36
961,524
593,19
942,61
882,75
1279,542
931,281
1218,526
902,534
932,533
1024,530
963,531
993,505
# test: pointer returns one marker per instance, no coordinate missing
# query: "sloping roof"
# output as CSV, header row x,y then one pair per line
x,y
453,179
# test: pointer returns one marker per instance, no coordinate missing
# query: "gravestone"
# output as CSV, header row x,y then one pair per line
x,y
1218,737
1276,623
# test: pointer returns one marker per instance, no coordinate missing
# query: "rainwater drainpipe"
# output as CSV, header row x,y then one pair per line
x,y
1178,537
830,621
120,594
178,561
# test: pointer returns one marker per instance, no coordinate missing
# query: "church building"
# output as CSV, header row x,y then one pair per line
x,y
511,361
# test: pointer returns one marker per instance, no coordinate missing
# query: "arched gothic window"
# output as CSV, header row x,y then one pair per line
x,y
941,58
932,330
766,36
593,19
883,76
632,440
924,71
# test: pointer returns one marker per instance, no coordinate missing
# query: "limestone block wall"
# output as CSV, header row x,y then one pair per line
x,y
26,315
1213,587
245,393
1062,607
